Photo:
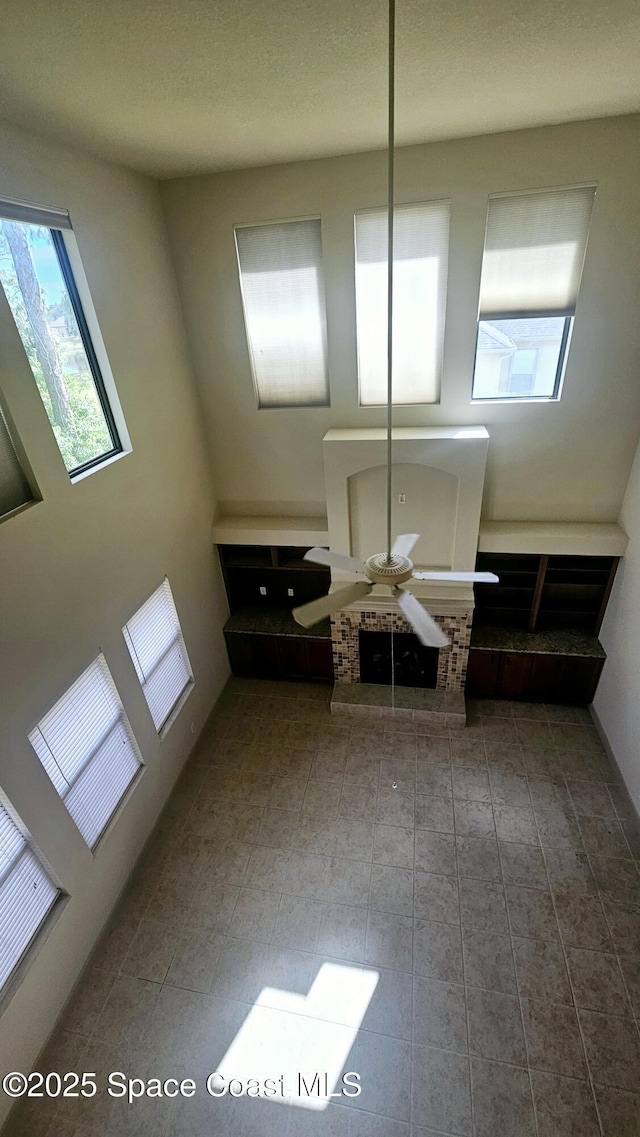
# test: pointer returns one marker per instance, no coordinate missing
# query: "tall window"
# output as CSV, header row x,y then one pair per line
x,y
87,747
159,654
420,257
15,490
534,251
283,296
38,282
27,894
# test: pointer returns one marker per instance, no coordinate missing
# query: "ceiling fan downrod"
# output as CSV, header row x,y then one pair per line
x,y
390,204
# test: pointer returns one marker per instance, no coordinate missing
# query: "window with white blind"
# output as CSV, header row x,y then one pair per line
x,y
15,490
534,251
27,894
420,261
86,745
282,285
159,654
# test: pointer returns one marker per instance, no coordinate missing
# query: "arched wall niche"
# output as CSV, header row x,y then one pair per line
x,y
439,469
429,508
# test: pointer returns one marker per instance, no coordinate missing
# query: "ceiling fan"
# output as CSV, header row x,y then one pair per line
x,y
394,567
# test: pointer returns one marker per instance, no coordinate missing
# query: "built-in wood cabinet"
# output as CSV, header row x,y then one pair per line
x,y
535,633
545,678
264,582
258,655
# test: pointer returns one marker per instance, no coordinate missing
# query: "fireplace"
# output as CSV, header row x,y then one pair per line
x,y
348,625
399,659
437,482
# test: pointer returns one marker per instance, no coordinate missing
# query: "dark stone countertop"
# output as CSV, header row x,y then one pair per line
x,y
274,622
562,641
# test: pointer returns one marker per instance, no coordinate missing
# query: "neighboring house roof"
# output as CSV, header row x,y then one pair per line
x,y
539,328
491,338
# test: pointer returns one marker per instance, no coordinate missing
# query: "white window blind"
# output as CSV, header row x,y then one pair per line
x,y
87,747
534,251
27,894
420,261
283,295
14,488
158,651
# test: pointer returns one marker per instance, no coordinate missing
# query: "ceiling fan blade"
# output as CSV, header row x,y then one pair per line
x,y
422,623
316,610
478,577
335,560
404,544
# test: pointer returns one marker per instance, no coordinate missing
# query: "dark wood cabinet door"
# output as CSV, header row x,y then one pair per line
x,y
239,654
253,656
482,673
547,673
513,680
319,660
293,659
579,681
266,658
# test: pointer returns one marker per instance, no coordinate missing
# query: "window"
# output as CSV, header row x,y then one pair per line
x,y
283,296
27,894
86,746
154,639
534,251
420,255
38,282
14,487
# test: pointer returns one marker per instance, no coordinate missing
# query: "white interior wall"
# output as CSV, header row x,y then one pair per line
x,y
552,461
617,701
76,565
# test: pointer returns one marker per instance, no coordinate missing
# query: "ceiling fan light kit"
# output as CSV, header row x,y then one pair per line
x,y
394,567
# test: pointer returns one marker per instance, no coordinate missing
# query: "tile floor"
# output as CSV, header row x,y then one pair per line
x,y
454,916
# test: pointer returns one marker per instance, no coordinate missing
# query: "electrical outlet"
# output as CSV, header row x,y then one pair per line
x,y
263,591
402,498
290,592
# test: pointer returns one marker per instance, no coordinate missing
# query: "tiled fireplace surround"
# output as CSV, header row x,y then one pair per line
x,y
452,661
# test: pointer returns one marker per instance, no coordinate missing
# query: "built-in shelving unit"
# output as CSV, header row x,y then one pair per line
x,y
270,576
264,582
535,633
542,591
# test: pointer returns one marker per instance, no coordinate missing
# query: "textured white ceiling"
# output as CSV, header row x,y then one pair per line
x,y
182,86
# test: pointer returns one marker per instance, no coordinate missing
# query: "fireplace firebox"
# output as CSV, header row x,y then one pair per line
x,y
399,659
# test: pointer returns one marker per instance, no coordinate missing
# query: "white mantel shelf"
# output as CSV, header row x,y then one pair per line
x,y
553,538
271,531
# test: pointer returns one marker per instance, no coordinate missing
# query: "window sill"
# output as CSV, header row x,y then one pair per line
x,y
166,727
20,509
43,933
99,466
115,816
517,400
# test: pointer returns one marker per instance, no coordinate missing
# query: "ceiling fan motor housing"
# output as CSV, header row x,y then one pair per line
x,y
391,571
